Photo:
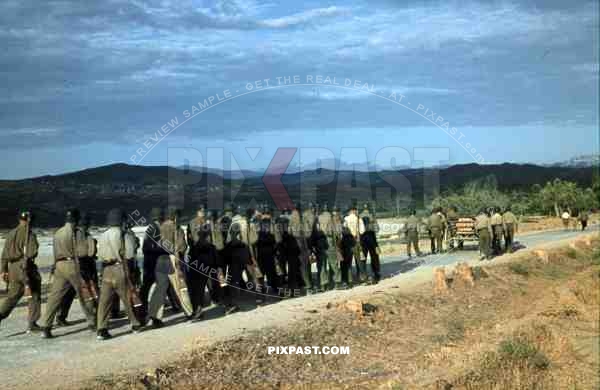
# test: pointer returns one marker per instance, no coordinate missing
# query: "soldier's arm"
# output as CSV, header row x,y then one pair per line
x,y
33,246
129,246
4,258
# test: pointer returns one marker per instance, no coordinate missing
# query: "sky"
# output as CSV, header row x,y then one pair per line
x,y
86,84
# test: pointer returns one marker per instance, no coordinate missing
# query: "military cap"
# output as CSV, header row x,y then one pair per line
x,y
115,217
72,216
228,208
25,215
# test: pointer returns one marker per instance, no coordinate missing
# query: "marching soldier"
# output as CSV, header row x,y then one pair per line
x,y
484,230
497,230
331,224
86,249
356,227
236,256
510,225
266,248
436,227
216,238
412,233
204,260
66,275
369,242
289,252
308,223
298,271
583,219
20,272
320,246
114,247
152,250
168,270
135,274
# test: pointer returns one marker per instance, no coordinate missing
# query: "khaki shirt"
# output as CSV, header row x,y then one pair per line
x,y
436,221
509,218
112,247
483,222
172,238
86,246
308,221
64,242
325,222
496,219
354,224
14,246
295,226
192,231
412,224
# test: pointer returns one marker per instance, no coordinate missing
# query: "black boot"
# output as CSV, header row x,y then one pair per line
x,y
103,335
47,333
34,328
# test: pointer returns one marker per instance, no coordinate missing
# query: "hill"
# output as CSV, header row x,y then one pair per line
x,y
140,188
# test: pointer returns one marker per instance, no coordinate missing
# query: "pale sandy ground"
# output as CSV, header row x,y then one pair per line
x,y
27,361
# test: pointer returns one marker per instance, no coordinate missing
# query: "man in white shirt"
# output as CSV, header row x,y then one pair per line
x,y
565,218
356,227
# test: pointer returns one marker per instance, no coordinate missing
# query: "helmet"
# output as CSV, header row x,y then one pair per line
x,y
72,216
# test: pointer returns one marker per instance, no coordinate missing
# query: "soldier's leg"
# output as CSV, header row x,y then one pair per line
x,y
322,272
408,243
440,241
147,282
85,299
105,301
375,264
60,287
16,288
122,291
65,305
416,243
35,303
306,271
157,299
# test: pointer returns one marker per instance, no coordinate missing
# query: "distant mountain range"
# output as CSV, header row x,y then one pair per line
x,y
140,188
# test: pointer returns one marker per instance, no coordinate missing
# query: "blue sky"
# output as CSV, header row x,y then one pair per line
x,y
88,84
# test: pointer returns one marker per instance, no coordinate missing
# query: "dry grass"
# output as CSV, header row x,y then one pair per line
x,y
506,332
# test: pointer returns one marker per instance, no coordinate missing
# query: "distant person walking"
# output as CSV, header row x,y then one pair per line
x,y
583,219
565,219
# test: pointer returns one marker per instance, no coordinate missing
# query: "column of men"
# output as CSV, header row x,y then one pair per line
x,y
275,254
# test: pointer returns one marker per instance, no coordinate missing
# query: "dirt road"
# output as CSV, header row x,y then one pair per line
x,y
27,361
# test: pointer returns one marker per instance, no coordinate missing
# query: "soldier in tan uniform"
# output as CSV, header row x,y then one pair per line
x,y
297,271
114,247
86,251
168,270
356,228
19,271
484,230
510,225
66,275
412,233
308,223
369,243
436,226
497,230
